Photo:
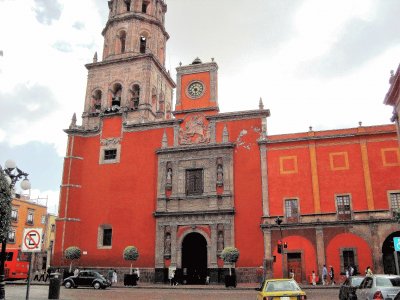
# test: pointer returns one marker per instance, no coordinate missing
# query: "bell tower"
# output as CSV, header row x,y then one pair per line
x,y
131,80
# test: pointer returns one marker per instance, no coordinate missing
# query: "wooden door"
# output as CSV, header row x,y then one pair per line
x,y
294,262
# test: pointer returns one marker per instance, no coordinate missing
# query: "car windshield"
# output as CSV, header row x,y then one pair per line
x,y
388,282
284,285
356,281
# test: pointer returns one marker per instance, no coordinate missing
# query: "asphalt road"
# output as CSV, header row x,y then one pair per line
x,y
40,292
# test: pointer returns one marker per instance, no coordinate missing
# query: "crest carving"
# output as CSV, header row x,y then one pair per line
x,y
194,131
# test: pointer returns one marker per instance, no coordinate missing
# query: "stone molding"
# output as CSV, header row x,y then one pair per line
x,y
247,114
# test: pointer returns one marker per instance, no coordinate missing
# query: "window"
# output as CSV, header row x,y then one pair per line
x,y
29,218
104,240
144,6
128,5
43,220
122,40
194,182
395,200
343,207
110,154
11,236
14,215
292,210
53,227
135,96
142,44
348,258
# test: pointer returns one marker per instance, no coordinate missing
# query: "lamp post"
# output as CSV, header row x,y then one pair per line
x,y
8,178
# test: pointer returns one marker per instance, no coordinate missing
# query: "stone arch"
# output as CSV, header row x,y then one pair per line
x,y
144,38
180,243
121,41
362,251
96,99
135,94
115,93
388,253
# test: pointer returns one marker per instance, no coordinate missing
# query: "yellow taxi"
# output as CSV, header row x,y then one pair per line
x,y
280,289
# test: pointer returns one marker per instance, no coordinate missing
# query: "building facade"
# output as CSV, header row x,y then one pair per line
x,y
182,185
392,97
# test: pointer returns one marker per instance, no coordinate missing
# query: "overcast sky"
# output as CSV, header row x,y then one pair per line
x,y
324,64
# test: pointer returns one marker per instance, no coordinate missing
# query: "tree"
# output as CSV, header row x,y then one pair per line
x,y
5,206
72,253
230,255
131,253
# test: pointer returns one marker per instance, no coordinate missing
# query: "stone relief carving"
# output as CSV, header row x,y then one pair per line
x,y
220,172
112,141
167,242
195,131
220,238
168,179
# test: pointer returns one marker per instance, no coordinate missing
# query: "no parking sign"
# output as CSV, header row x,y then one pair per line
x,y
32,240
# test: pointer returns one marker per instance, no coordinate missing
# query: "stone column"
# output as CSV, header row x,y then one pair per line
x,y
376,249
159,254
268,259
213,252
174,247
319,233
264,179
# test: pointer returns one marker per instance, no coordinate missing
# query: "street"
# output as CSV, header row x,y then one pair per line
x,y
40,292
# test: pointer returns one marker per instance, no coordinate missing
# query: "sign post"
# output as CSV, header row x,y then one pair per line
x,y
31,242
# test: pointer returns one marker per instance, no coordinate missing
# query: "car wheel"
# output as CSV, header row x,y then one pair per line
x,y
68,284
97,285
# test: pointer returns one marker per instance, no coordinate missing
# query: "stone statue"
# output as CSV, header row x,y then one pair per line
x,y
167,244
220,241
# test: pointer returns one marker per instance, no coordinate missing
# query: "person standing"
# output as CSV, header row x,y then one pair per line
x,y
324,275
291,274
313,278
114,277
260,275
368,271
332,275
41,275
137,273
110,275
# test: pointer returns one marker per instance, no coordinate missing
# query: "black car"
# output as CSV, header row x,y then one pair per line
x,y
348,288
87,278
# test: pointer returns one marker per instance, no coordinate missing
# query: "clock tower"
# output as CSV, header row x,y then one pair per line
x,y
197,88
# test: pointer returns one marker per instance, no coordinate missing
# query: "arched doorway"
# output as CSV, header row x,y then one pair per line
x,y
194,258
388,254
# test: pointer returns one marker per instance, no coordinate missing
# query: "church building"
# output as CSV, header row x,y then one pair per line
x,y
181,181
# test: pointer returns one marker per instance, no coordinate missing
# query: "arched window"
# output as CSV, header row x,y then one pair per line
x,y
128,5
116,95
161,106
153,97
96,101
142,44
122,40
135,97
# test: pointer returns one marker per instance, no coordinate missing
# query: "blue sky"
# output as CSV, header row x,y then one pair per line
x,y
315,63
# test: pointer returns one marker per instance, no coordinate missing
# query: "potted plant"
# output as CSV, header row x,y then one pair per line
x,y
131,253
72,253
230,255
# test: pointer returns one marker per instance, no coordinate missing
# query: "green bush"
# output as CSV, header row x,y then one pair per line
x,y
72,253
230,254
131,253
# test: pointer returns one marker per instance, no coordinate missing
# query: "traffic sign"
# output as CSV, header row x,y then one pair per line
x,y
32,240
396,242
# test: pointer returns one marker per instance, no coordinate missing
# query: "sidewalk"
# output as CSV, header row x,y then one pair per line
x,y
146,285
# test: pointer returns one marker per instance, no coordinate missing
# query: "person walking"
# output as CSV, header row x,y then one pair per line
x,y
41,275
36,277
332,275
324,275
260,274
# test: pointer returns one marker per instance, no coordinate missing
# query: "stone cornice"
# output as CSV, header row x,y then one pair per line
x,y
335,223
134,15
240,115
152,125
326,137
160,214
124,60
82,132
197,110
197,68
189,198
197,147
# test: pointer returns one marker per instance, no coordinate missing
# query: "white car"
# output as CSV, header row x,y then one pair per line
x,y
384,287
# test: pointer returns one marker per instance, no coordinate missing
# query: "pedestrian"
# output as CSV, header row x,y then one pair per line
x,y
76,272
36,277
351,270
313,278
368,271
41,275
291,273
324,275
137,273
260,274
110,275
347,273
48,272
332,275
114,276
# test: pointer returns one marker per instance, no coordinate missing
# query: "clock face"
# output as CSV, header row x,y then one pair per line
x,y
195,89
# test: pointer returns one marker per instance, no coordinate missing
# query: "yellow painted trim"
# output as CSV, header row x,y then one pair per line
x,y
367,175
281,169
384,161
346,161
314,177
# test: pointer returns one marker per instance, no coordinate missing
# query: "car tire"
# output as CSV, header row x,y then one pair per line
x,y
97,285
68,284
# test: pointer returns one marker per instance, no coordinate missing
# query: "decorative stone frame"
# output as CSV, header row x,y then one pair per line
x,y
289,220
189,84
180,244
100,235
389,200
351,205
342,259
109,144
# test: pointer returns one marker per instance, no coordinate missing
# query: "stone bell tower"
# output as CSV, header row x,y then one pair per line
x,y
131,81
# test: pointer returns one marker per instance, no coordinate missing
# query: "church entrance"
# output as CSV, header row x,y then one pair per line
x,y
194,259
390,257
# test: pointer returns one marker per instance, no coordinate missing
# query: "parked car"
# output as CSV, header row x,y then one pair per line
x,y
87,278
379,287
397,296
281,288
348,289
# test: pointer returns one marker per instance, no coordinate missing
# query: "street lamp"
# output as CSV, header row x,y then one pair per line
x,y
8,178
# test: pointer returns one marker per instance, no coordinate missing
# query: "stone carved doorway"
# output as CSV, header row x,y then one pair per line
x,y
194,258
